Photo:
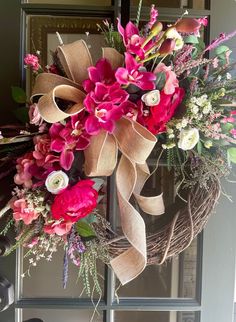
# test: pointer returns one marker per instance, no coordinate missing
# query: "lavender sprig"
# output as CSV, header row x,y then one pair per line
x,y
65,268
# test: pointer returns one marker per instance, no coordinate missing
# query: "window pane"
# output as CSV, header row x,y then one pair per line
x,y
138,316
192,4
45,279
60,315
176,278
68,2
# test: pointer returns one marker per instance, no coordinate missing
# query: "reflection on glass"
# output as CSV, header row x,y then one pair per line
x,y
191,4
175,278
61,315
68,2
138,316
45,279
160,3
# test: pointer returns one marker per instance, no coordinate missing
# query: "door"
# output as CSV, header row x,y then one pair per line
x,y
197,286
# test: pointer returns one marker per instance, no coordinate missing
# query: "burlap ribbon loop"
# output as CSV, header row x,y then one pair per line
x,y
50,110
75,59
132,139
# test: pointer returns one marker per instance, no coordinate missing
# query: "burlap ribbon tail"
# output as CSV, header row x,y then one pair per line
x,y
133,140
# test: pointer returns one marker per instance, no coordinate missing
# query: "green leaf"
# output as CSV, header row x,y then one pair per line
x,y
221,50
18,95
227,127
22,114
91,218
199,147
84,229
231,152
160,80
191,39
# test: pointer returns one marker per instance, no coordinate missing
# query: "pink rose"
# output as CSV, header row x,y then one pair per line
x,y
32,61
24,164
58,228
75,202
41,149
171,79
22,211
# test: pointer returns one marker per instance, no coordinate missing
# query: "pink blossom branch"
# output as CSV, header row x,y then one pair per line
x,y
216,42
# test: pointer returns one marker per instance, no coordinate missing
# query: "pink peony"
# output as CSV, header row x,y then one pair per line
x,y
171,79
75,202
21,211
160,114
58,228
133,74
32,61
23,167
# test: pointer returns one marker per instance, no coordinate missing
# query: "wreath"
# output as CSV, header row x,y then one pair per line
x,y
152,88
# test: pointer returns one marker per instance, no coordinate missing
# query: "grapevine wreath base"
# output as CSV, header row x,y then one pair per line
x,y
178,233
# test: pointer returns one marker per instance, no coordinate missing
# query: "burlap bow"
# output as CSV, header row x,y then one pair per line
x,y
133,140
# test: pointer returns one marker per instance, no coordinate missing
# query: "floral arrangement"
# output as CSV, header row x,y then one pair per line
x,y
154,86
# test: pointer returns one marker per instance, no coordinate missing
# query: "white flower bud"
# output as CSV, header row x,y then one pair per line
x,y
188,139
56,181
151,98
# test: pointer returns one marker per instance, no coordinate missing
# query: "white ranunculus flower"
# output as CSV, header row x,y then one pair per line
x,y
188,139
151,98
56,181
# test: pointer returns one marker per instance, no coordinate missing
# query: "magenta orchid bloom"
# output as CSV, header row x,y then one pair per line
x,y
66,139
133,74
106,104
132,40
101,73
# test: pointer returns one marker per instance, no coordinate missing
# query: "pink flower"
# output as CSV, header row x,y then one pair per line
x,y
75,202
41,149
32,61
233,132
66,139
34,116
101,73
203,21
59,228
133,74
153,16
23,167
21,211
160,114
34,241
131,39
106,105
171,79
